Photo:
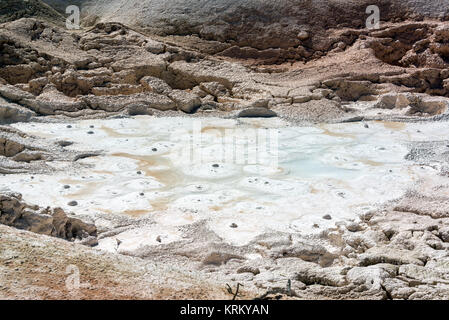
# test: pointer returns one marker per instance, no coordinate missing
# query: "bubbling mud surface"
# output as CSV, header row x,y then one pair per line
x,y
177,171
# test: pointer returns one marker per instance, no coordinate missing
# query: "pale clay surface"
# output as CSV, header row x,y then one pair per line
x,y
145,169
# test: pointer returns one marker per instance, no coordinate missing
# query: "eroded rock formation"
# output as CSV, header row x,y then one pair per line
x,y
51,222
264,30
113,69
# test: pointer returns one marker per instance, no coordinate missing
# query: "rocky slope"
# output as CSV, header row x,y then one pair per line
x,y
113,69
291,30
37,267
61,5
11,10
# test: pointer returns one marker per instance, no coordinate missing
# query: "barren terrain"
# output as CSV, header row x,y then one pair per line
x,y
357,208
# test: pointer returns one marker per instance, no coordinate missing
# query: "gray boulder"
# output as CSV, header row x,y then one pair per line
x,y
11,113
186,101
52,222
257,112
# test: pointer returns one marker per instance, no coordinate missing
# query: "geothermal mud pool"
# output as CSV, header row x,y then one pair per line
x,y
175,170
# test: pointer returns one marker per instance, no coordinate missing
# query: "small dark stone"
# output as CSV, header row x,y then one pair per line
x,y
139,172
215,165
69,126
366,125
234,226
64,143
90,132
159,239
257,113
154,149
72,203
66,187
354,227
139,109
92,127
142,194
327,217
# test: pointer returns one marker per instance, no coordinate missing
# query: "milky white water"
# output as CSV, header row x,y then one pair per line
x,y
341,170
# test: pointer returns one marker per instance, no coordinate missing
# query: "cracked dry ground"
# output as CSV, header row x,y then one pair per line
x,y
400,251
